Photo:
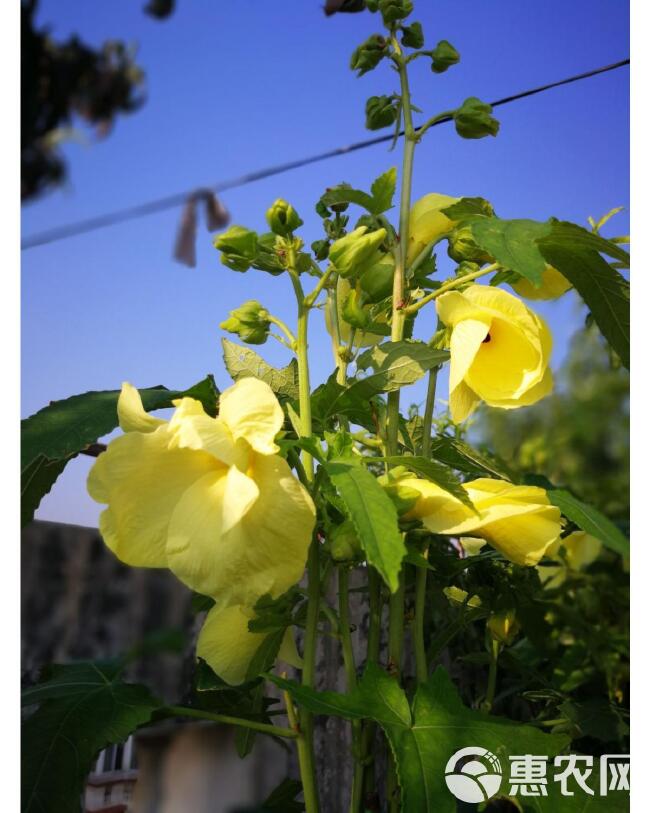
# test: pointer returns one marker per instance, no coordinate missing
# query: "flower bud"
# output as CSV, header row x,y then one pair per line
x,y
462,247
394,10
503,627
321,249
461,597
250,322
377,281
443,56
402,496
369,54
381,111
474,119
344,543
349,254
238,247
283,218
353,313
413,36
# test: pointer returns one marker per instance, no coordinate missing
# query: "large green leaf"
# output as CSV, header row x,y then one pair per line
x,y
58,432
83,708
396,364
374,518
512,243
590,520
433,471
424,737
574,252
242,362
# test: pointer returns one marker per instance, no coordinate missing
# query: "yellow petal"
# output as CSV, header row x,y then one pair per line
x,y
526,537
553,285
453,307
288,652
226,644
427,223
131,414
202,520
471,545
192,428
462,402
142,480
251,411
581,549
237,540
436,507
466,340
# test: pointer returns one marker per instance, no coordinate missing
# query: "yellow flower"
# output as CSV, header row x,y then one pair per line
x,y
503,627
227,645
208,498
500,350
427,223
518,521
580,550
553,285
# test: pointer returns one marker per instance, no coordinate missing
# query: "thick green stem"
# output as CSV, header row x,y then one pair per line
x,y
265,728
421,669
351,678
306,741
492,676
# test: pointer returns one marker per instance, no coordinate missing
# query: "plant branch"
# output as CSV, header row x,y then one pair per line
x,y
266,728
456,282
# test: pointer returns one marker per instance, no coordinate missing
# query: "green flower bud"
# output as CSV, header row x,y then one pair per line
x,y
372,5
283,218
353,313
443,56
377,281
250,322
393,10
403,497
462,247
474,120
267,256
321,249
381,111
349,254
344,543
413,36
503,627
369,54
238,247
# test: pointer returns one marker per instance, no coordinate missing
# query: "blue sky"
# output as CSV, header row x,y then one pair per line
x,y
235,86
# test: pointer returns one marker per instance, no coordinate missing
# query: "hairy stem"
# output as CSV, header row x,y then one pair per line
x,y
306,741
456,282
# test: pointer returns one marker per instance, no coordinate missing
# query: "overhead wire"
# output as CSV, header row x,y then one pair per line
x,y
171,201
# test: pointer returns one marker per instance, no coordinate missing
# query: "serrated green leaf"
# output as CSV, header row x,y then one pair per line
x,y
346,194
461,456
424,737
590,520
574,252
433,471
397,364
66,427
374,518
468,207
83,708
36,480
383,191
512,243
242,362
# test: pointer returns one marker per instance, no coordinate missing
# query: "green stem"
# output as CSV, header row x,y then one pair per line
x,y
284,329
448,286
311,298
351,678
306,742
396,601
276,731
421,669
446,114
492,676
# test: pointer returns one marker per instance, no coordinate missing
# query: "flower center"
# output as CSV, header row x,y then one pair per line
x,y
487,339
